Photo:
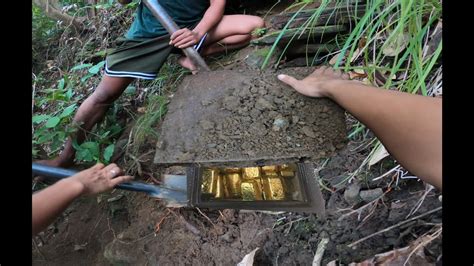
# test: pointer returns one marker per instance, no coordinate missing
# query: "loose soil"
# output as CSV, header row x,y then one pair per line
x,y
245,116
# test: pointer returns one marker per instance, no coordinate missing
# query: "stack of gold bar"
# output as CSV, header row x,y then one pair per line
x,y
250,183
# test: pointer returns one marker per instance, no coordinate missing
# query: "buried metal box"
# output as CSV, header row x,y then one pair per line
x,y
232,188
246,119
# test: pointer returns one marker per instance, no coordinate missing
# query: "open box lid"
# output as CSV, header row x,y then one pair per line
x,y
245,118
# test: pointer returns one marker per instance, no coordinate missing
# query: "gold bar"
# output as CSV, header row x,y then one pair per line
x,y
287,170
248,191
219,192
251,191
287,173
232,170
233,182
209,181
273,188
270,170
251,173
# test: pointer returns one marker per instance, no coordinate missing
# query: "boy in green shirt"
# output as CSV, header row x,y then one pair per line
x,y
146,46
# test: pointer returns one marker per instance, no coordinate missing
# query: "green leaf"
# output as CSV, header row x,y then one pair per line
x,y
81,66
40,118
103,136
130,90
95,69
58,95
45,138
88,151
69,94
68,111
108,152
61,84
86,77
52,122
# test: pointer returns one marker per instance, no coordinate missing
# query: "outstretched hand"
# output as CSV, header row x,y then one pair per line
x,y
314,84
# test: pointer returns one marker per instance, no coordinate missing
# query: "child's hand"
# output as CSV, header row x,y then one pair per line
x,y
184,38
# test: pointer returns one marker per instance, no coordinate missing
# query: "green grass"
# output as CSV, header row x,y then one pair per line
x,y
156,106
375,36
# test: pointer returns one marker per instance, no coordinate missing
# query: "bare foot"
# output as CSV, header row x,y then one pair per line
x,y
188,64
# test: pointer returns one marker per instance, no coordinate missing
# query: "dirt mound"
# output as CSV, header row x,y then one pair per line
x,y
247,116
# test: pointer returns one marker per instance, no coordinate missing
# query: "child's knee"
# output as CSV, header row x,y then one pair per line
x,y
257,22
252,23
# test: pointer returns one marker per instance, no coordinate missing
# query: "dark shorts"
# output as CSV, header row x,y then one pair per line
x,y
141,58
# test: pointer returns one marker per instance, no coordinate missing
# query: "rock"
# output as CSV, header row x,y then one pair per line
x,y
273,114
370,195
227,237
263,104
295,119
206,102
277,101
206,124
351,194
308,132
231,103
254,113
255,59
280,124
211,145
397,211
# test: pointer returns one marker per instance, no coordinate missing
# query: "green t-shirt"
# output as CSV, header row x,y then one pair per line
x,y
186,14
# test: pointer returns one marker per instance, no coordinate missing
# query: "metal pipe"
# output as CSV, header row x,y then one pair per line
x,y
160,13
154,191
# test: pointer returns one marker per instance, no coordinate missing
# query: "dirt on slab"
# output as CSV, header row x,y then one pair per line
x,y
230,117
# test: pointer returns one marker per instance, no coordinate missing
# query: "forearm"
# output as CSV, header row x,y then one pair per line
x,y
212,16
408,125
50,202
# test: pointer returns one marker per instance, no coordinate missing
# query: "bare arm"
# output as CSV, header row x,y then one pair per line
x,y
408,125
184,37
49,203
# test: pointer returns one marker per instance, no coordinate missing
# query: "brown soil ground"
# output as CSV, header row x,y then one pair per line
x,y
247,116
138,230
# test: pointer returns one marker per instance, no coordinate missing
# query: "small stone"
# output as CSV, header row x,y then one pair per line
x,y
206,124
206,102
227,237
308,132
340,146
280,124
231,103
263,104
254,113
253,90
295,119
351,194
370,195
211,145
273,114
277,101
